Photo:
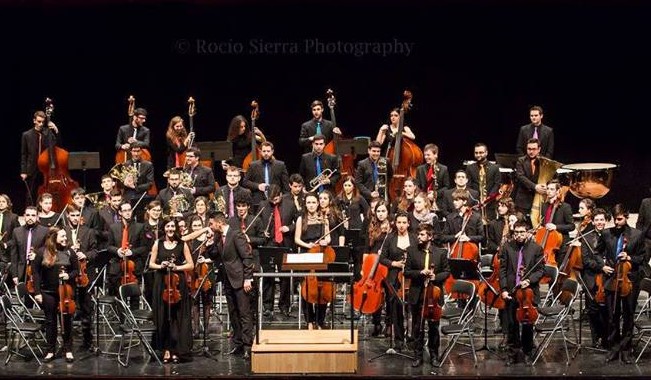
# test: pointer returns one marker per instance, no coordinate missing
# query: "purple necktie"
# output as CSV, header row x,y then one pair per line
x,y
518,270
231,205
535,132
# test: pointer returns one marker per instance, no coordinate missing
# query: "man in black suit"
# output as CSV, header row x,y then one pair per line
x,y
83,241
109,215
314,163
536,130
430,264
89,213
8,222
135,188
133,246
29,235
521,266
33,142
203,179
235,253
460,183
484,177
527,169
316,126
557,215
264,172
373,174
182,197
231,191
432,176
134,133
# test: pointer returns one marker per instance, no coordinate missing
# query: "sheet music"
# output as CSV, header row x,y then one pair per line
x,y
301,258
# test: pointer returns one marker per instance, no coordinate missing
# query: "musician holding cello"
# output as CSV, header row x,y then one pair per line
x,y
33,142
171,301
521,268
557,215
625,253
427,269
56,266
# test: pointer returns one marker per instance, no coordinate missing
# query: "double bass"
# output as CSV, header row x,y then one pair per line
x,y
404,155
123,155
347,160
53,165
191,113
255,152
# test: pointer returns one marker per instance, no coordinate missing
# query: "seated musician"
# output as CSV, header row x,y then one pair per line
x,y
174,198
463,224
446,205
557,215
521,266
203,179
431,264
405,202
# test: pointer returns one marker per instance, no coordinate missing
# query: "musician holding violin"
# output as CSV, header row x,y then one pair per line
x,y
26,240
171,301
33,142
625,253
311,232
82,240
199,244
433,177
55,270
427,269
317,126
521,268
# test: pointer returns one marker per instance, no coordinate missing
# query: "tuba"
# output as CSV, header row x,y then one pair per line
x,y
546,173
120,172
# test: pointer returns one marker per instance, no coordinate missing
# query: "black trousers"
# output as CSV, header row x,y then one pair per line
x,y
85,309
598,318
52,315
240,314
433,335
519,335
621,312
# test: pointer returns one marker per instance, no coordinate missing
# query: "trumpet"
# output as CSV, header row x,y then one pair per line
x,y
320,179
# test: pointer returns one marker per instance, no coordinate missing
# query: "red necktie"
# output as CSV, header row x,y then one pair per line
x,y
278,234
430,175
242,225
548,213
125,237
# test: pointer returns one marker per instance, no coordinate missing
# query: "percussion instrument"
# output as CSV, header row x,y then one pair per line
x,y
590,180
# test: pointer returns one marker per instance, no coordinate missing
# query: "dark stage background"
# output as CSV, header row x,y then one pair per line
x,y
474,69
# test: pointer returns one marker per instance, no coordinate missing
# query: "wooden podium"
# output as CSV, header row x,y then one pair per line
x,y
304,351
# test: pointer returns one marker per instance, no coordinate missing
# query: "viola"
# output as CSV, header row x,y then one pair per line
x,y
368,291
526,311
600,295
29,276
255,152
201,271
53,164
128,268
404,155
486,294
66,300
431,308
171,293
621,285
82,279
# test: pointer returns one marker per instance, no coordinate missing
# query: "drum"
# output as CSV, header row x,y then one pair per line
x,y
590,180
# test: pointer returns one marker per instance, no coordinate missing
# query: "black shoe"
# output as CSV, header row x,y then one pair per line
x,y
246,355
417,362
435,362
377,330
626,357
528,359
175,359
399,347
69,357
612,355
236,351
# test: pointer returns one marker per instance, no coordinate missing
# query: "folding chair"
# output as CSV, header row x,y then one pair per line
x,y
127,291
35,314
558,317
643,326
550,272
131,327
27,331
464,323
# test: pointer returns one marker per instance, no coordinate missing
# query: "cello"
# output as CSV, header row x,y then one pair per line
x,y
53,164
464,250
486,294
550,241
368,291
404,155
255,152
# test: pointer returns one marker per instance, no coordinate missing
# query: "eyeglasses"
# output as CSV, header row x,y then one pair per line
x,y
74,215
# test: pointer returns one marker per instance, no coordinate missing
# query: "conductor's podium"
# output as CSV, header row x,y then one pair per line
x,y
304,351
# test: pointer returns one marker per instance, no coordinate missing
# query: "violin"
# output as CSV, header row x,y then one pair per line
x,y
404,155
66,299
201,271
171,293
29,275
53,164
255,152
82,278
128,268
526,311
431,308
621,285
600,295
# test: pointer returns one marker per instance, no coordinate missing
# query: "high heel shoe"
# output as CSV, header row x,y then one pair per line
x,y
69,357
49,357
175,359
166,357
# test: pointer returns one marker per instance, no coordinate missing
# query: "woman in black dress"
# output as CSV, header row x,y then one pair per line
x,y
170,255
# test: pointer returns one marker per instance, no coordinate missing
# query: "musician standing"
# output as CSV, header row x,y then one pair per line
x,y
432,176
521,266
178,139
557,215
386,136
317,126
536,130
484,177
134,133
175,198
27,238
624,244
33,142
373,174
314,164
134,188
229,192
429,263
264,172
203,179
527,170
8,222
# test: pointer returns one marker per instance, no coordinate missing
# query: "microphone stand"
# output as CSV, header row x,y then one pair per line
x,y
205,350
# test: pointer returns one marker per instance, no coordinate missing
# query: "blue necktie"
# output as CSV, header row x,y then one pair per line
x,y
375,173
318,170
620,245
318,128
266,176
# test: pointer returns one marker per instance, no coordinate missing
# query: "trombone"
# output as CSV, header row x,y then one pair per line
x,y
320,179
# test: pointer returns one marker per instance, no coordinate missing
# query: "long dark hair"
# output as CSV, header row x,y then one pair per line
x,y
234,128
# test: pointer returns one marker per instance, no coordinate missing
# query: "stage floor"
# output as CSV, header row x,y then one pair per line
x,y
587,363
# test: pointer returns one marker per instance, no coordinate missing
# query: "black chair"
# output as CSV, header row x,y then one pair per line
x,y
643,325
464,324
19,332
133,328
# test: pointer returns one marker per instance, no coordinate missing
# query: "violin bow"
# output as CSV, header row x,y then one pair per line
x,y
527,273
254,218
334,228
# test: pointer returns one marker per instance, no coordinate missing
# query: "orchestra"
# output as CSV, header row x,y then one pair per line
x,y
411,221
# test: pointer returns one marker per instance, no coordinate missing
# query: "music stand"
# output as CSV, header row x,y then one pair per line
x,y
463,269
506,160
216,150
489,288
356,146
82,161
